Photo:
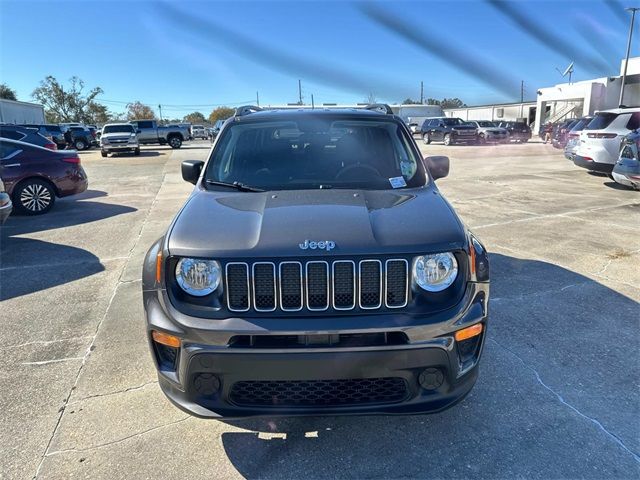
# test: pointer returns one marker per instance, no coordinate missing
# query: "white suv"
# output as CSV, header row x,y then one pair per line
x,y
599,144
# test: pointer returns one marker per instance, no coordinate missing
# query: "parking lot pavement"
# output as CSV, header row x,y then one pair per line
x,y
558,393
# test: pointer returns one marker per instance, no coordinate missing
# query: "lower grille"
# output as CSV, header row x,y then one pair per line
x,y
311,393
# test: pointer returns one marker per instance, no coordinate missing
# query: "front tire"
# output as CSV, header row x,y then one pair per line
x,y
175,142
426,139
136,151
34,197
80,145
447,139
103,153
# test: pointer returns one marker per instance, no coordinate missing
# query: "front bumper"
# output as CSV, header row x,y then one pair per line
x,y
209,366
580,161
457,138
119,147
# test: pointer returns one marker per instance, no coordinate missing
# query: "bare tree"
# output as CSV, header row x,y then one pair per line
x,y
70,104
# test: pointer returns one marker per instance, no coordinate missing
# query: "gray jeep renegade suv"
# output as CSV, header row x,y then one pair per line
x,y
316,269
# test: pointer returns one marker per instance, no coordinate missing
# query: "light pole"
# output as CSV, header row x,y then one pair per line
x,y
633,11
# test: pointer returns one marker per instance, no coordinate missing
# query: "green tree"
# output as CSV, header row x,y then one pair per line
x,y
433,101
452,103
70,103
221,113
195,118
410,101
7,92
139,111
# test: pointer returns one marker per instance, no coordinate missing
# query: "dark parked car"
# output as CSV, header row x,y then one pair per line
x,y
26,134
34,176
342,281
448,130
573,137
52,131
560,135
518,131
82,138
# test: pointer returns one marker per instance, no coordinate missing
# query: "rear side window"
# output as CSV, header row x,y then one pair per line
x,y
601,120
7,150
634,121
145,124
12,134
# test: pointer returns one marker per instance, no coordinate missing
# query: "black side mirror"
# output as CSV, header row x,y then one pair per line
x,y
191,170
438,166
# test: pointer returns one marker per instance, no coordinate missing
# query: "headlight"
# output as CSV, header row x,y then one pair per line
x,y
436,272
104,140
198,277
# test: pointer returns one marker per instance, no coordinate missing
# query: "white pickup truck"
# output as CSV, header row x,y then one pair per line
x,y
149,132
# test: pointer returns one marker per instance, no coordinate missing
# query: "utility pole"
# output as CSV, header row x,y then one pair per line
x,y
313,105
160,108
421,92
521,91
633,11
299,92
257,99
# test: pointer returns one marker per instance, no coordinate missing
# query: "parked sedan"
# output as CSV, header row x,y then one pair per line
x,y
560,135
489,132
627,170
34,176
518,131
26,134
5,204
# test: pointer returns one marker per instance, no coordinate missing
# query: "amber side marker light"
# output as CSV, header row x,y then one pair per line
x,y
159,267
165,339
468,332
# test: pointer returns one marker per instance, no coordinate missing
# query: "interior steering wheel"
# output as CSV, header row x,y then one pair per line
x,y
351,170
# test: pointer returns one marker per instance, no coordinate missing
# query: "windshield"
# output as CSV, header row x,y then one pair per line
x,y
316,153
117,129
453,121
486,124
601,120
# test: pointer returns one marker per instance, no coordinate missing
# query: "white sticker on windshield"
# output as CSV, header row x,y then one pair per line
x,y
397,182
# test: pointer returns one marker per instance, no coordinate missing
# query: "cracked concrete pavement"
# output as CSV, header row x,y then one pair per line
x,y
558,393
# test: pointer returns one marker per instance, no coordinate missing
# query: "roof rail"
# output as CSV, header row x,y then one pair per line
x,y
380,107
246,110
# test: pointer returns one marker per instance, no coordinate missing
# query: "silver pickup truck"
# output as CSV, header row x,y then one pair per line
x,y
150,132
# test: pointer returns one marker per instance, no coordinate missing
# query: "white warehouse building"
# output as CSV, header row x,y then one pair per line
x,y
568,100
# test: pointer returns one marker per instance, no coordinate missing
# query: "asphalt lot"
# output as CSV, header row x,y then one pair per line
x,y
559,388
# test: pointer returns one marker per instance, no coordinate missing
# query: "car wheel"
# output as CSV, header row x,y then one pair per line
x,y
175,142
524,140
79,145
481,139
426,139
34,197
136,151
103,153
447,139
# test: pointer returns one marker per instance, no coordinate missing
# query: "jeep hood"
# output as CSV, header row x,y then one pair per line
x,y
273,224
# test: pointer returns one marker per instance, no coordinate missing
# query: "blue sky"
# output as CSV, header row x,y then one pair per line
x,y
194,55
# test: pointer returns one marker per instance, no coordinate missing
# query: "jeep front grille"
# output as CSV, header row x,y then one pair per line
x,y
316,285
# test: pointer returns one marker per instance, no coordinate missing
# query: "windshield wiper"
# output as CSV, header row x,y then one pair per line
x,y
237,185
